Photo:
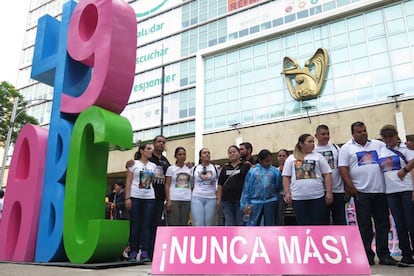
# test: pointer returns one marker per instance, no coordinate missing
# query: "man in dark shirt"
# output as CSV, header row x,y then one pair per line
x,y
246,150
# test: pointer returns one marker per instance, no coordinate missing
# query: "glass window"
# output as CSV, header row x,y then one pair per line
x,y
232,69
254,29
219,109
260,85
362,79
243,32
233,118
208,111
382,91
380,60
266,25
374,18
290,18
357,36
232,57
246,65
339,55
383,75
260,75
303,14
246,91
262,114
400,56
393,12
277,111
232,94
342,69
375,31
277,22
403,71
338,41
260,62
360,65
337,28
247,116
410,22
359,50
329,6
306,50
344,99
396,26
342,84
378,45
364,95
274,45
398,41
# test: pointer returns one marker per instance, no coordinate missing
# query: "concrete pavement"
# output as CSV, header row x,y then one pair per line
x,y
13,269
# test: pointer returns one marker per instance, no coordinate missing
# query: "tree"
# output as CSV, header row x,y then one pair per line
x,y
7,95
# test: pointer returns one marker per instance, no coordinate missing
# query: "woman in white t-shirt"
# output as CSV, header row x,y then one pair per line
x,y
304,175
140,199
178,190
204,197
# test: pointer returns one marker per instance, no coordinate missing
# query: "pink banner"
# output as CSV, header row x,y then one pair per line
x,y
260,250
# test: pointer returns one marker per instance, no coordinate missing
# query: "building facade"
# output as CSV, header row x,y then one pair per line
x,y
208,72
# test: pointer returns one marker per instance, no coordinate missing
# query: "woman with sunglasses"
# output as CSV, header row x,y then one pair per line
x,y
204,196
140,199
393,159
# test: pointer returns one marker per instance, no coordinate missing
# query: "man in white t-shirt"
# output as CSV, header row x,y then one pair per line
x,y
330,152
363,178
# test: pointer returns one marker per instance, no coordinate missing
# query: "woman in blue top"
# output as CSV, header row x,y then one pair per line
x,y
260,191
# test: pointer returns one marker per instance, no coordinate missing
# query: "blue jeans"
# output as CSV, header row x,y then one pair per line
x,y
311,212
337,209
233,216
373,205
266,211
402,209
156,221
203,211
140,230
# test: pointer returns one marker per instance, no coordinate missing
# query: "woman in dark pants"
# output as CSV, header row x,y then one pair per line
x,y
306,175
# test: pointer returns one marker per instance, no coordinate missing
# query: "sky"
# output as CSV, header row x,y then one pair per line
x,y
13,17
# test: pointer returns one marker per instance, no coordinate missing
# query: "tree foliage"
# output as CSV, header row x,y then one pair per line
x,y
7,95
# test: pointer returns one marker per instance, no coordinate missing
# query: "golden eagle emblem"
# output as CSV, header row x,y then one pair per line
x,y
306,83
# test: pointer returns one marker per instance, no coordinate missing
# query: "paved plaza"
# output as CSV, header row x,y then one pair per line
x,y
12,269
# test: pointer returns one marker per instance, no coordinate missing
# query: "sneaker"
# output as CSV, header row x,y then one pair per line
x,y
406,261
144,257
388,260
132,257
371,261
125,254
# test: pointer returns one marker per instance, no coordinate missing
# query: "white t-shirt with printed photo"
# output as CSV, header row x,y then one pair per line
x,y
306,180
205,181
390,163
180,187
143,175
362,162
331,153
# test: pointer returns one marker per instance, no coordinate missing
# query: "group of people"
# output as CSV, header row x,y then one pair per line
x,y
317,180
